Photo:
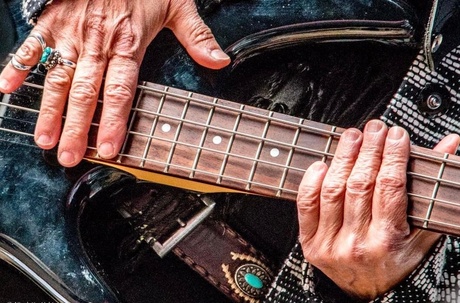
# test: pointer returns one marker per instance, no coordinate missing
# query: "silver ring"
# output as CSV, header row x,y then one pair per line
x,y
40,39
52,57
67,63
19,66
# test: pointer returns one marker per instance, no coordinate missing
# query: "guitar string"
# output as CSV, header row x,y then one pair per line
x,y
274,119
262,116
312,151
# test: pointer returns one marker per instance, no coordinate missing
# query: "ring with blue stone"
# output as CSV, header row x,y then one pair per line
x,y
51,57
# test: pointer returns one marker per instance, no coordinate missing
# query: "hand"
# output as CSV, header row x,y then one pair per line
x,y
353,215
103,38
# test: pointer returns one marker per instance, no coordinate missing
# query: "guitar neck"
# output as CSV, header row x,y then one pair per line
x,y
249,149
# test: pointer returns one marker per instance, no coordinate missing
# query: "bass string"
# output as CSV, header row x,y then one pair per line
x,y
316,130
281,144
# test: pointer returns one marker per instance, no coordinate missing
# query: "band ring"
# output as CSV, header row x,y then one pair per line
x,y
52,57
19,66
40,39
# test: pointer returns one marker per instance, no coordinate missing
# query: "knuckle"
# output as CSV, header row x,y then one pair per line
x,y
360,182
49,113
332,191
84,93
115,93
113,123
58,80
28,52
391,181
200,32
74,131
127,40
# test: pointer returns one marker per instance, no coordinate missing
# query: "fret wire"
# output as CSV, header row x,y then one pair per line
x,y
229,146
130,127
176,136
328,145
435,192
203,139
148,144
258,152
289,158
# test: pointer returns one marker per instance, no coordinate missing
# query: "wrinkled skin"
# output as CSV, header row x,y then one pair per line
x,y
104,38
353,215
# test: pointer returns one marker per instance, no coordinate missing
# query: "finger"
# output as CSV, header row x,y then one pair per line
x,y
28,55
449,144
55,94
308,200
360,184
82,101
389,210
120,87
334,184
197,37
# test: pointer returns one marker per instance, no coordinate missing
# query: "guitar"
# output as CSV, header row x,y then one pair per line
x,y
168,125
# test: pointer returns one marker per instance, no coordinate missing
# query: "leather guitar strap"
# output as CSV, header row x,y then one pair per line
x,y
211,248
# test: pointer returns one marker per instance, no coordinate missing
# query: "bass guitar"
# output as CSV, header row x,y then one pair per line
x,y
197,139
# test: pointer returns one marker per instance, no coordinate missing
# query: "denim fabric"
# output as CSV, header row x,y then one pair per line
x,y
22,27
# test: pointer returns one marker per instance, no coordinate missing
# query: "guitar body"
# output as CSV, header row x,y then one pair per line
x,y
341,82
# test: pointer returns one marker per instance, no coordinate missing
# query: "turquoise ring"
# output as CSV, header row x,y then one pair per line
x,y
51,57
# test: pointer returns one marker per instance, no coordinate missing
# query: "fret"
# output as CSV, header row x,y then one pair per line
x,y
258,152
130,126
329,144
176,135
435,192
203,139
289,159
230,145
148,142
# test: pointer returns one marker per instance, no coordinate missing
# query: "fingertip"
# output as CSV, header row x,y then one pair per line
x,y
4,86
209,58
106,150
67,158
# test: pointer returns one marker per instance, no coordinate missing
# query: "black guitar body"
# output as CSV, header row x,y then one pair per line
x,y
341,81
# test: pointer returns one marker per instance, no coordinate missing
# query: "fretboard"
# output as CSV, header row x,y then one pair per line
x,y
239,147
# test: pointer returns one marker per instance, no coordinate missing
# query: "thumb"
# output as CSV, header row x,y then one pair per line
x,y
196,36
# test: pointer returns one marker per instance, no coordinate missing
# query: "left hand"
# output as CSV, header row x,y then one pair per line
x,y
353,215
105,39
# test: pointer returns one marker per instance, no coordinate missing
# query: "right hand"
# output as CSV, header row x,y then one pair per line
x,y
353,214
104,38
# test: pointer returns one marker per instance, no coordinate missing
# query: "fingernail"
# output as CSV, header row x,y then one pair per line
x,y
4,84
352,135
44,140
396,133
67,158
374,126
219,55
106,150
